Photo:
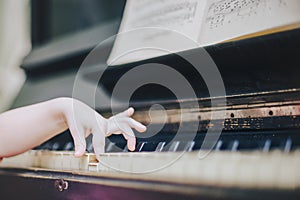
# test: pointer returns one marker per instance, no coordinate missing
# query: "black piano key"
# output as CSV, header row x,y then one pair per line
x,y
278,143
140,146
219,145
69,146
267,145
226,144
89,144
112,147
150,146
160,146
109,146
228,141
174,146
46,146
248,145
126,149
89,147
185,145
55,146
288,145
189,146
146,146
235,145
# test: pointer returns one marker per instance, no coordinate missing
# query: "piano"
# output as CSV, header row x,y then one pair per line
x,y
256,155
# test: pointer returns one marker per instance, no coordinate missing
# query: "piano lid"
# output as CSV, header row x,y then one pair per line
x,y
250,66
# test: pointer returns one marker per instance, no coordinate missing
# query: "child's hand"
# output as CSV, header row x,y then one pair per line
x,y
82,121
24,128
122,123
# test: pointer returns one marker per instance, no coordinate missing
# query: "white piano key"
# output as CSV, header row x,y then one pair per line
x,y
234,169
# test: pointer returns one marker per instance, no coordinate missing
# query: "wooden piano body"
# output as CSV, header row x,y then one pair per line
x,y
256,157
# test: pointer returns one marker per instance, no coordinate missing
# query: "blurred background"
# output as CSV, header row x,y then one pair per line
x,y
14,45
45,33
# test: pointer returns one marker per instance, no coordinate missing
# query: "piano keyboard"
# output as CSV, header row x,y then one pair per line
x,y
271,170
250,154
236,141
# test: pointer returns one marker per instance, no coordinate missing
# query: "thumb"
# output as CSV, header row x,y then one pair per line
x,y
127,113
80,147
98,142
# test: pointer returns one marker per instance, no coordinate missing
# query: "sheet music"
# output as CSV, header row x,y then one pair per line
x,y
182,16
227,19
195,23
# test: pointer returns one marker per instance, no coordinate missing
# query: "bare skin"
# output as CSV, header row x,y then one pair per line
x,y
24,128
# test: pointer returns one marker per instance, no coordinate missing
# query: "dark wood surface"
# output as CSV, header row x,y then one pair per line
x,y
26,184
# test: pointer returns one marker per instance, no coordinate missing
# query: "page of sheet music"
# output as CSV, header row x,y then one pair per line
x,y
175,26
227,19
194,23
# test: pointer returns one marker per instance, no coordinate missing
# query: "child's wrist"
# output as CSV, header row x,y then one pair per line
x,y
61,107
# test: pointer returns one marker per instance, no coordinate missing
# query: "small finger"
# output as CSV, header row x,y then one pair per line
x,y
136,125
131,144
127,132
130,137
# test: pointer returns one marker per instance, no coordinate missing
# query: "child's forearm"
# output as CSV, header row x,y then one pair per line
x,y
24,128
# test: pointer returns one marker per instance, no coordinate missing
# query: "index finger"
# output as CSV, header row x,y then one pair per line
x,y
136,125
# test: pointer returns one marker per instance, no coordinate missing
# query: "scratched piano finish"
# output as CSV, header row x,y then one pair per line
x,y
257,156
258,163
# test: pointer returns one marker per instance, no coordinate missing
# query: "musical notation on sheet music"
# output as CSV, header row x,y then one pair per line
x,y
228,19
162,13
224,12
